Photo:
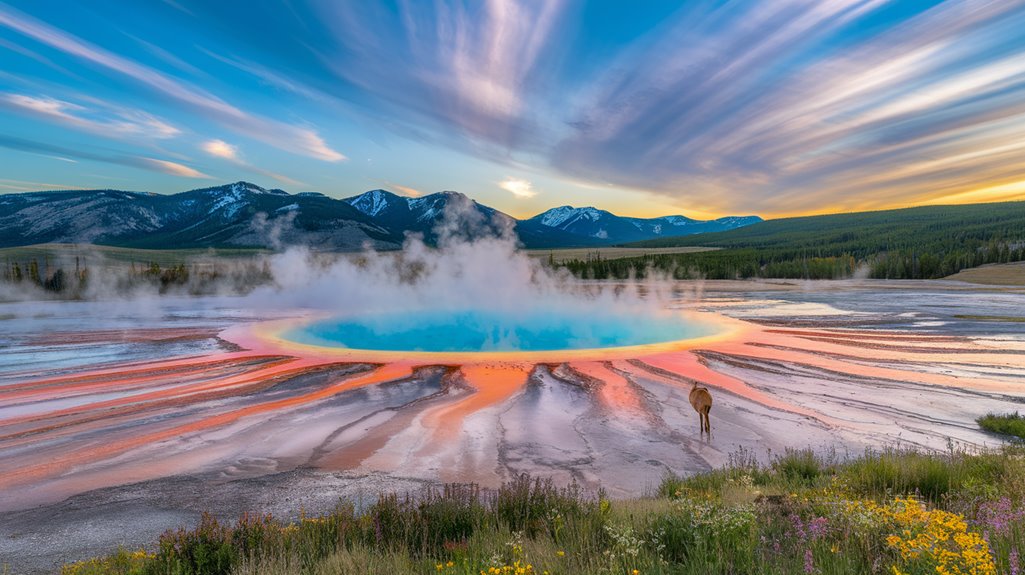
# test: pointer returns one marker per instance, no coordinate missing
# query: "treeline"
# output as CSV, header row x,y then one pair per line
x,y
719,264
914,243
81,280
746,263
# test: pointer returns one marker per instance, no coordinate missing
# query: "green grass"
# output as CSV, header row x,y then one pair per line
x,y
1012,424
560,255
997,318
801,512
94,254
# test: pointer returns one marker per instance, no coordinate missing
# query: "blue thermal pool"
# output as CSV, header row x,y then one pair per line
x,y
470,331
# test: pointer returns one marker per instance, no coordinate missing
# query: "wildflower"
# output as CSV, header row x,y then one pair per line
x,y
998,516
560,553
935,537
809,561
818,527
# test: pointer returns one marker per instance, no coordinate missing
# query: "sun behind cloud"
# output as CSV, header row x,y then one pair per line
x,y
518,187
221,149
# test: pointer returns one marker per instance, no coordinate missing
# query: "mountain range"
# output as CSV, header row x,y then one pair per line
x,y
246,215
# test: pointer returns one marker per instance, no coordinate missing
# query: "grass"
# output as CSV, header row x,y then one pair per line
x,y
112,254
889,511
998,318
1012,424
1010,274
609,253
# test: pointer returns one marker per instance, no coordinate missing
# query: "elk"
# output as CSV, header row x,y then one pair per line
x,y
701,400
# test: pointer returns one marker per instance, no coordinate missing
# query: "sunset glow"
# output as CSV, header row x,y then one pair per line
x,y
779,109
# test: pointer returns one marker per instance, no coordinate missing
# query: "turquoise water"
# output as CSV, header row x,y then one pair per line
x,y
469,331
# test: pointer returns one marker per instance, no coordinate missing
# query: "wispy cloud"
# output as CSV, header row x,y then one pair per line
x,y
746,117
173,168
296,139
225,151
109,121
405,190
19,49
781,107
518,187
31,186
141,162
476,67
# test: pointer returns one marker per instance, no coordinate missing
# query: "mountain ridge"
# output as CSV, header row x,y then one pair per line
x,y
243,214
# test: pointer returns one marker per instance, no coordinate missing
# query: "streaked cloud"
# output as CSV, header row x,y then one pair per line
x,y
28,186
476,67
405,190
752,116
777,108
173,168
108,121
517,187
296,139
225,151
94,155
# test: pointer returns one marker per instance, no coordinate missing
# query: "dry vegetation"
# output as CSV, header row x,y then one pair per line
x,y
610,253
1012,274
896,512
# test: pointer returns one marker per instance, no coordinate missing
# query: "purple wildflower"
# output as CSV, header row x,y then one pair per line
x,y
798,524
998,516
809,561
818,528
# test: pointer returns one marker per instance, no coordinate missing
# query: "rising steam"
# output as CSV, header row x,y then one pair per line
x,y
476,267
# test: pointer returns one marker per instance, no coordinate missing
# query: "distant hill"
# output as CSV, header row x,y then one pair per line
x,y
606,226
245,215
922,242
863,233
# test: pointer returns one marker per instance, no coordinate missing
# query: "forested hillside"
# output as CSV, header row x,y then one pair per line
x,y
913,243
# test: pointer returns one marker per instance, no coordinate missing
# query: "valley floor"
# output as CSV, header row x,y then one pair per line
x,y
835,366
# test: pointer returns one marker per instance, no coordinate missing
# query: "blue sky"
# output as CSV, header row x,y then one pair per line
x,y
701,107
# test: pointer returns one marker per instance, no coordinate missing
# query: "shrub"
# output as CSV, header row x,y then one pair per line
x,y
931,475
1013,424
800,466
206,550
121,562
529,505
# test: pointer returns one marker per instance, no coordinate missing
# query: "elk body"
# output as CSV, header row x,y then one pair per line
x,y
701,401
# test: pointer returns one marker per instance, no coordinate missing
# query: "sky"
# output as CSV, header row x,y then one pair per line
x,y
702,108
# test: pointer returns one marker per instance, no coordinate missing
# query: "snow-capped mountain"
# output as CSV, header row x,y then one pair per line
x,y
423,214
612,229
374,202
244,214
239,214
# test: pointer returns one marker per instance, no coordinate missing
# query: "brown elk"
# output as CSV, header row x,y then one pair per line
x,y
701,400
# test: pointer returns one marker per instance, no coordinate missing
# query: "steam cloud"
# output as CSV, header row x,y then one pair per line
x,y
475,267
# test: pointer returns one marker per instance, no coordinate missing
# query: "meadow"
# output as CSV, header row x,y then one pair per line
x,y
561,255
895,511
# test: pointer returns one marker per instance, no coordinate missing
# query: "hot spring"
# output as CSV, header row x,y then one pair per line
x,y
491,331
